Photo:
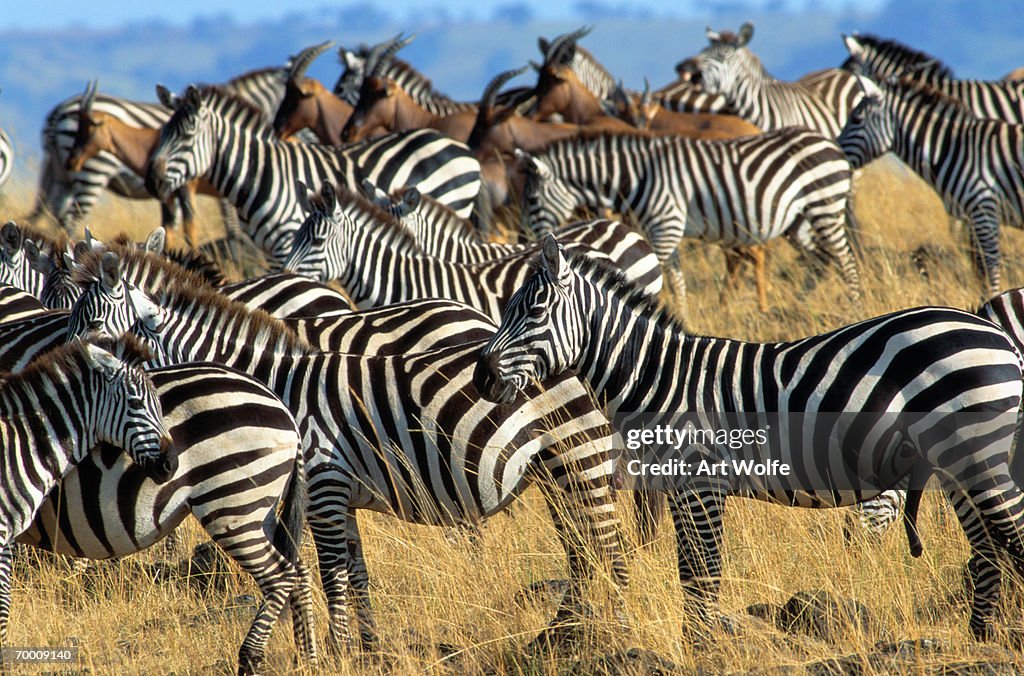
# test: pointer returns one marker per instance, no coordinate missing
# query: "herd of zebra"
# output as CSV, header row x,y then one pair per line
x,y
472,369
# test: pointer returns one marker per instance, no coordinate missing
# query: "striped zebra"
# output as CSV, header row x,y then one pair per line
x,y
404,434
53,412
6,158
954,410
70,197
720,191
879,59
16,304
973,164
729,68
196,141
377,261
34,262
239,459
439,232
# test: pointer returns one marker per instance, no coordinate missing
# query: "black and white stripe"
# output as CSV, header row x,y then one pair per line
x,y
258,175
973,164
52,413
239,460
6,158
439,232
403,434
729,68
879,58
377,261
743,191
957,369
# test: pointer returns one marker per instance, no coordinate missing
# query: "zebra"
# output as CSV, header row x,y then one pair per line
x,y
931,370
880,59
196,142
973,164
239,459
439,232
33,262
58,408
377,261
6,158
738,192
16,304
403,434
728,67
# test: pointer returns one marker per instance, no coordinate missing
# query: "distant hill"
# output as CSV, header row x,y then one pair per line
x,y
39,69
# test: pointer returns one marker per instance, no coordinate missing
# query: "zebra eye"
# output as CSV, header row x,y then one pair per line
x,y
536,312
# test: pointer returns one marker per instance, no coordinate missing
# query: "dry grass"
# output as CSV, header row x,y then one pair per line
x,y
450,607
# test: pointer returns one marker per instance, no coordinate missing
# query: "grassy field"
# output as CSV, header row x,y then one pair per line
x,y
454,607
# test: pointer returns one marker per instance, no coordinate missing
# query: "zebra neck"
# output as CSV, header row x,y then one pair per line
x,y
243,165
922,138
382,266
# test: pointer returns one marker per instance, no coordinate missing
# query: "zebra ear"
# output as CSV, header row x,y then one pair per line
x,y
149,313
91,243
10,239
870,89
102,361
411,199
854,47
713,36
746,32
156,241
110,270
166,98
551,257
193,97
36,260
302,194
329,197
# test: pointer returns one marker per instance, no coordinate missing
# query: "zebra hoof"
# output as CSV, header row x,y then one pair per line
x,y
250,662
565,631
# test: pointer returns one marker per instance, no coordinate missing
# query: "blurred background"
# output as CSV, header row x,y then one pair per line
x,y
50,50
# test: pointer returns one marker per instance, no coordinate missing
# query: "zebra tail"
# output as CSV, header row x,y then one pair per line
x,y
288,536
853,231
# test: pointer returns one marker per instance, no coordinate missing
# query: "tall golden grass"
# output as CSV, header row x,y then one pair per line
x,y
451,607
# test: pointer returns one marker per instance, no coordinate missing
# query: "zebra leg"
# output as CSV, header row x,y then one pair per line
x,y
991,516
697,514
5,594
360,585
649,505
301,603
833,245
329,520
985,244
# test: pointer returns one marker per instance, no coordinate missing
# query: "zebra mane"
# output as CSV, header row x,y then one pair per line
x,y
362,210
253,74
397,68
440,214
610,279
179,289
902,51
193,261
222,99
70,357
136,264
921,92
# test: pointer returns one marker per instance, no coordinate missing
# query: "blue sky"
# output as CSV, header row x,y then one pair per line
x,y
49,14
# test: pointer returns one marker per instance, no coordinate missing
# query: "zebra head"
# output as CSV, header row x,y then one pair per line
x,y
548,202
879,58
126,405
542,330
317,247
184,149
870,129
726,63
109,305
59,291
